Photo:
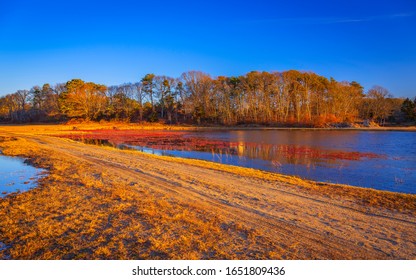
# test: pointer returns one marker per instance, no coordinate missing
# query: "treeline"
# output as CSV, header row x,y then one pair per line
x,y
277,98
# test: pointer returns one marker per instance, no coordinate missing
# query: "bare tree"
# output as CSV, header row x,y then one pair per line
x,y
22,97
379,103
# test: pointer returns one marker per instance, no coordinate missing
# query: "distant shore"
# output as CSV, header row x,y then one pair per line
x,y
383,128
162,126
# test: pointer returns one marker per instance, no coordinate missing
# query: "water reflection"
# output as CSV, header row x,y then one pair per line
x,y
277,154
15,175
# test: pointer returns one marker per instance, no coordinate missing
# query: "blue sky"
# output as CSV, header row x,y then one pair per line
x,y
112,42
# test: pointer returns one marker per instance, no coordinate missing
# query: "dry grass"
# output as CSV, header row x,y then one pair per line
x,y
84,211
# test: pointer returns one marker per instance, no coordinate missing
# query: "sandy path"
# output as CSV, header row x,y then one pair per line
x,y
317,226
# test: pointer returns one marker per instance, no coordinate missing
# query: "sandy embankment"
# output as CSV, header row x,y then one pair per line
x,y
105,203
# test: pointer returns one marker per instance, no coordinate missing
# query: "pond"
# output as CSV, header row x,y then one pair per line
x,y
384,160
17,176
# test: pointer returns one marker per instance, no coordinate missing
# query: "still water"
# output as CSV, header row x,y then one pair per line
x,y
15,175
384,160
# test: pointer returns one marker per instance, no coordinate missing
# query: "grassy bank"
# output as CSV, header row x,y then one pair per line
x,y
57,128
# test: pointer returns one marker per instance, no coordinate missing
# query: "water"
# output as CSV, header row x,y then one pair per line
x,y
15,175
384,160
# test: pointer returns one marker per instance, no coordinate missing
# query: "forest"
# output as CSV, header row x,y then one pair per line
x,y
289,98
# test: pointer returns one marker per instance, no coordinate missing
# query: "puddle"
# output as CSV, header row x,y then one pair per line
x,y
16,176
2,248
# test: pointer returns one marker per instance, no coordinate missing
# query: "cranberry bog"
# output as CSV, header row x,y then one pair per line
x,y
186,141
329,161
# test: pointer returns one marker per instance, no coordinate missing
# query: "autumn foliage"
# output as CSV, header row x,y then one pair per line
x,y
289,98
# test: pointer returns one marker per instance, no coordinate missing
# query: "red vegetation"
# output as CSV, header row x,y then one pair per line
x,y
291,151
184,141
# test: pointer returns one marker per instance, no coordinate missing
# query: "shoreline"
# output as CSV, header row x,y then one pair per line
x,y
231,211
159,126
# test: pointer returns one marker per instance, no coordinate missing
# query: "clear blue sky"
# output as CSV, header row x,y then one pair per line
x,y
112,42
